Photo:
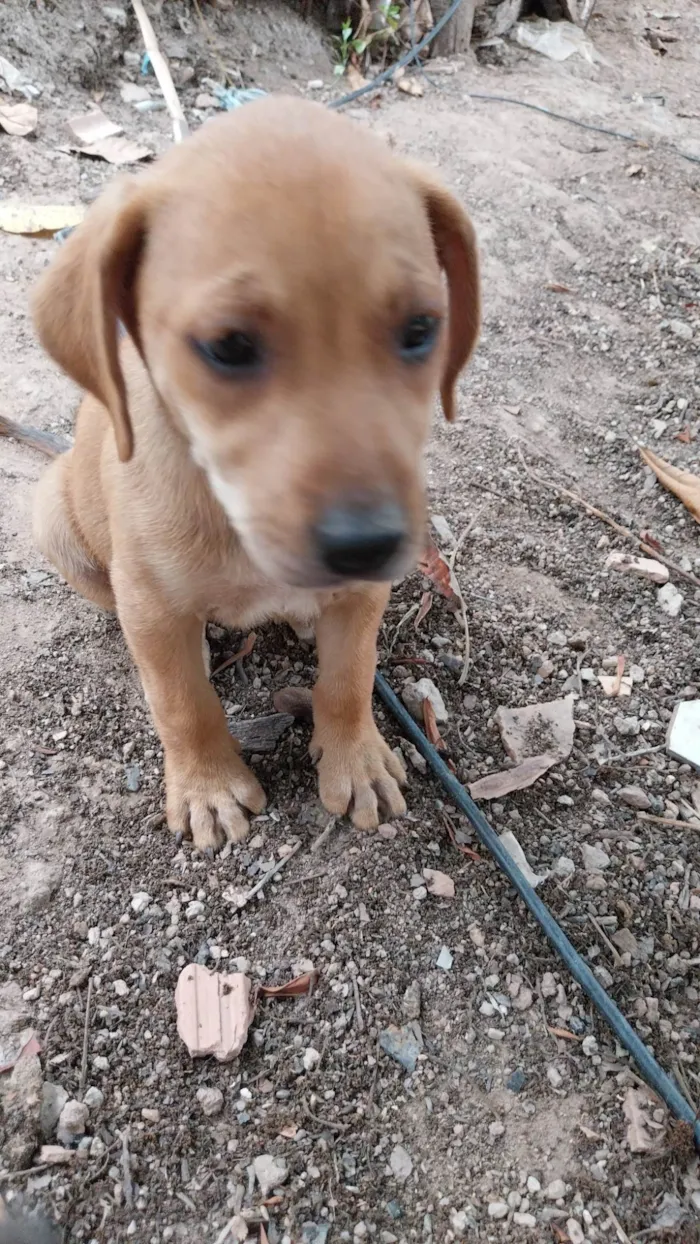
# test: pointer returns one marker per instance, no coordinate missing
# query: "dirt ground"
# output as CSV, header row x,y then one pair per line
x,y
505,1130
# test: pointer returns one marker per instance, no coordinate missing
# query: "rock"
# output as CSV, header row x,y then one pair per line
x,y
400,1163
131,93
140,902
497,1209
575,1231
39,880
411,1001
645,567
313,1232
557,639
683,737
403,1044
516,1081
524,1220
554,1076
635,797
204,100
414,693
628,727
55,1155
72,1124
439,883
14,1012
194,909
270,1172
121,989
150,1115
594,858
211,1101
670,600
556,1191
93,1098
132,778
548,986
413,756
533,1185
462,1221
311,1058
523,1001
390,831
496,1129
53,1099
626,942
564,867
680,329
444,959
552,724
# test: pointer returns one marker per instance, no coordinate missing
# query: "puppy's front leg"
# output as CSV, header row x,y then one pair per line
x,y
207,784
357,770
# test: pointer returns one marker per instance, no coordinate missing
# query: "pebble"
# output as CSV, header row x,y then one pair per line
x,y
194,909
635,797
628,727
498,1209
548,986
524,1220
557,639
403,1044
670,600
411,1001
211,1101
496,1129
132,778
516,1081
556,1191
311,1058
533,1185
594,858
524,999
140,902
564,867
575,1231
72,1123
461,1221
679,328
270,1172
120,988
93,1098
444,959
414,693
389,831
400,1163
53,1099
149,1115
554,1076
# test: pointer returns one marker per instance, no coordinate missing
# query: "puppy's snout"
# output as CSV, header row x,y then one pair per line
x,y
360,541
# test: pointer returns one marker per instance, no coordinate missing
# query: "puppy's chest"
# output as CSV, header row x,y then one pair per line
x,y
251,604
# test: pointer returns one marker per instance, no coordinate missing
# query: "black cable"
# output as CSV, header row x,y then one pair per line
x,y
412,54
653,1074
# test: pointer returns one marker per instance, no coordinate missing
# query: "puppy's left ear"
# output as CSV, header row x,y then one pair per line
x,y
455,243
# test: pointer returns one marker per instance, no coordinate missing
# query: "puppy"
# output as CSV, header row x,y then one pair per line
x,y
262,327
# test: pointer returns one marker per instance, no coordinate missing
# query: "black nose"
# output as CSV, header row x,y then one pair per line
x,y
360,541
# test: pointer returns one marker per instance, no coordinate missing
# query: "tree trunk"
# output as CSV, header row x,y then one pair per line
x,y
456,36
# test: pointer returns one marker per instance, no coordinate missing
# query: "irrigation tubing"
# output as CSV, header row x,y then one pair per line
x,y
653,1074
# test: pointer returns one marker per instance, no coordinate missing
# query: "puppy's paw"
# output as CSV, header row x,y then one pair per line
x,y
358,773
206,800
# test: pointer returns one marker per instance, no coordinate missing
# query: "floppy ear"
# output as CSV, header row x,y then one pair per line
x,y
455,243
84,294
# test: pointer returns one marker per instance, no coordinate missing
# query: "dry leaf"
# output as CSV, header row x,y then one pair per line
x,y
18,119
435,568
92,127
497,785
289,1132
426,604
411,86
431,727
685,436
245,651
633,1108
293,989
684,484
647,537
116,150
438,883
556,288
35,220
564,1034
355,79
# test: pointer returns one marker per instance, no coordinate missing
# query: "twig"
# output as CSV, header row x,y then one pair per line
x,y
323,837
334,1127
275,868
162,71
127,1182
605,940
666,820
245,651
86,1038
621,1233
594,512
641,751
463,606
359,1018
11,1176
401,622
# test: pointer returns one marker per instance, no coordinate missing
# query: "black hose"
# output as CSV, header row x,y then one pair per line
x,y
653,1074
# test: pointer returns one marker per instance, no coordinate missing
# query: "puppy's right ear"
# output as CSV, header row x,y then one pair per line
x,y
87,290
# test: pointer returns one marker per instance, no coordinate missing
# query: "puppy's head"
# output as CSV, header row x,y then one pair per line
x,y
281,274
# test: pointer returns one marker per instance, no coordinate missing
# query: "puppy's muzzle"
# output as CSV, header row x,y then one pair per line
x,y
356,541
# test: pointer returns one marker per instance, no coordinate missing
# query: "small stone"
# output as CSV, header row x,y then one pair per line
x,y
589,1045
628,727
72,1123
523,1001
634,797
132,778
462,1221
554,1076
140,902
524,1220
211,1101
93,1098
516,1081
533,1185
670,600
403,1044
419,893
575,1231
596,882
53,1099
680,329
498,1209
204,100
564,867
390,831
556,1191
496,1129
439,884
644,567
400,1163
548,986
120,988
311,1058
626,943
414,693
494,1034
194,909
594,858
149,1115
270,1172
444,960
411,1001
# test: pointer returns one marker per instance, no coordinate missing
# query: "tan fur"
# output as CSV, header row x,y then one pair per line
x,y
189,496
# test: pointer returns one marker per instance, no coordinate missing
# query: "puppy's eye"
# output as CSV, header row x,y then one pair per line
x,y
236,354
418,337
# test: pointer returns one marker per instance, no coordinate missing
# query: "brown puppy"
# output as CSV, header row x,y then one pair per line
x,y
252,446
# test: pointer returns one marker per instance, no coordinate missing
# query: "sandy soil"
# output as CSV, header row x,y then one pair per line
x,y
591,261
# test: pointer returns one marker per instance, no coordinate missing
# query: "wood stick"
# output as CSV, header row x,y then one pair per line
x,y
666,820
162,71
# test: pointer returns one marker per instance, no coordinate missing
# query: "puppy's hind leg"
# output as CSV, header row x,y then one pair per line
x,y
57,537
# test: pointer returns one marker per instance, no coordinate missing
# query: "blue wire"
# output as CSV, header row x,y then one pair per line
x,y
654,1075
